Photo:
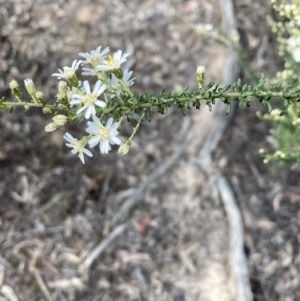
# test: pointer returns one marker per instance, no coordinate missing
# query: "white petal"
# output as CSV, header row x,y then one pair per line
x,y
81,156
100,103
86,86
104,147
93,144
123,58
97,86
94,140
97,121
74,102
75,64
103,68
91,131
89,71
86,151
88,112
81,109
104,51
97,51
93,110
113,132
92,128
100,91
78,96
117,55
68,137
85,55
57,74
114,126
109,123
116,140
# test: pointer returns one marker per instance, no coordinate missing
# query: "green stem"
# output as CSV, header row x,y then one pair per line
x,y
9,104
136,127
169,101
175,100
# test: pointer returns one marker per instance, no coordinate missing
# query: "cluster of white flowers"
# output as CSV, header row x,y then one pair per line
x,y
293,44
72,93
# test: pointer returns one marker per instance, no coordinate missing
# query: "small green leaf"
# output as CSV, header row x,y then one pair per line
x,y
210,85
228,110
226,88
208,102
282,113
183,111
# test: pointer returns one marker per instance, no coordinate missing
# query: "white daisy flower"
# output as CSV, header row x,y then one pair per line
x,y
113,62
95,58
78,146
118,84
89,99
69,72
105,135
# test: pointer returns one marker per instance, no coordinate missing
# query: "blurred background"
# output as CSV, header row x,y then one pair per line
x,y
173,245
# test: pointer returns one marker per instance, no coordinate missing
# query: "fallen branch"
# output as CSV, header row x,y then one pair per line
x,y
98,250
236,255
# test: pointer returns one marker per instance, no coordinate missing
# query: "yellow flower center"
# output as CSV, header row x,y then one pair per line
x,y
77,146
112,62
68,72
104,133
94,60
89,99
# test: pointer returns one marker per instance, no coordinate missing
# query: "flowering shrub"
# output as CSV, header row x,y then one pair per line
x,y
287,128
110,100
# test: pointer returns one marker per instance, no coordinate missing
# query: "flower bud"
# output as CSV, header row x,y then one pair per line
x,y
30,87
62,95
200,75
124,147
60,120
62,87
15,89
118,73
51,127
40,97
47,110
